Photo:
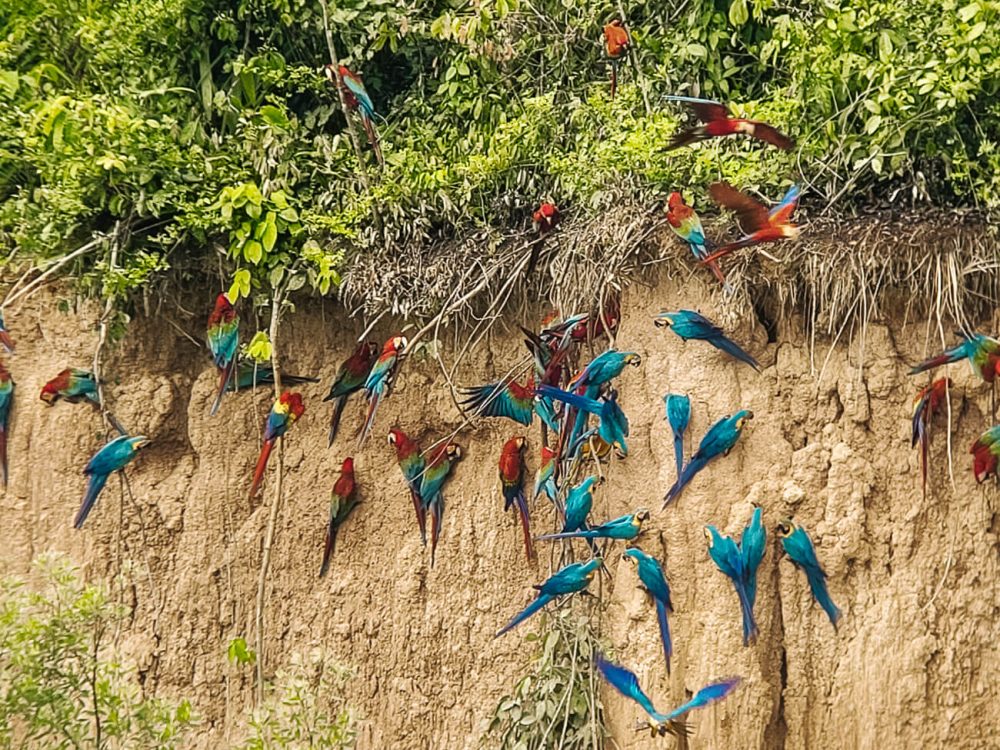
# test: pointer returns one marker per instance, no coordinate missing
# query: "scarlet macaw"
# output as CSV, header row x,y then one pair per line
x,y
342,502
435,474
616,44
717,123
927,403
512,471
687,225
379,380
543,220
412,464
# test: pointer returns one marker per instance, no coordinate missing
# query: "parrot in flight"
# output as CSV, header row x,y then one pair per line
x,y
504,398
574,578
545,480
800,550
687,225
285,411
113,457
678,409
76,386
5,340
435,474
718,441
758,223
625,527
412,464
6,402
985,451
728,557
927,403
716,123
983,353
250,375
545,218
626,683
358,100
689,324
224,341
613,428
342,502
512,472
651,575
379,380
616,44
350,378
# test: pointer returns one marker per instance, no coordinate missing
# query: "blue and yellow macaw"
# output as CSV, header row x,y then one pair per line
x,y
613,426
626,683
678,415
6,402
691,325
983,353
224,341
505,398
437,471
802,553
113,457
651,574
604,368
727,556
573,578
753,543
625,527
379,380
718,441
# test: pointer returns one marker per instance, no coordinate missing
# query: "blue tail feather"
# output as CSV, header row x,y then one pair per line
x,y
525,613
695,465
734,350
822,595
94,486
661,616
750,630
679,453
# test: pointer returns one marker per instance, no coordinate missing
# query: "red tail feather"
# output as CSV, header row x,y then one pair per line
x,y
265,453
522,510
3,455
369,127
726,249
327,552
436,511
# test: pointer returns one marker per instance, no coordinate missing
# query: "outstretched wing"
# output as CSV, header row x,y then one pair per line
x,y
770,134
752,215
706,110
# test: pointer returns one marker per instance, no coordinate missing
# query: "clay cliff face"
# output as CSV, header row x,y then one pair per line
x,y
914,663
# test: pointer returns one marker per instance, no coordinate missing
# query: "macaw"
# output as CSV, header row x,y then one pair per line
x,y
342,502
573,578
758,223
927,403
626,683
718,123
651,574
76,386
986,450
224,341
543,220
678,409
512,471
379,380
616,44
753,544
718,441
614,426
250,375
412,464
603,368
351,377
625,527
556,330
356,96
687,225
433,479
689,324
727,556
548,354
545,480
504,398
579,501
593,447
114,456
983,353
6,402
802,553
284,412
5,338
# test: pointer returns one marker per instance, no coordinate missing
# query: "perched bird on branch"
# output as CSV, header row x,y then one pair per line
x,y
616,44
358,101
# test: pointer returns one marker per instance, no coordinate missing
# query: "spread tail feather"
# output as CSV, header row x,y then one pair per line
x,y
225,375
525,613
693,467
661,616
95,483
338,410
258,474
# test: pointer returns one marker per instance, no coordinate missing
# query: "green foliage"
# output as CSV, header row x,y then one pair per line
x,y
238,653
304,708
61,684
557,704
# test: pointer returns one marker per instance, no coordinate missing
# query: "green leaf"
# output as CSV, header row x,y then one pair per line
x,y
259,348
969,12
270,235
274,116
738,13
976,31
240,286
253,252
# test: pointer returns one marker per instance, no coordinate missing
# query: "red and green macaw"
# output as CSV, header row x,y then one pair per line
x,y
6,402
351,377
545,477
544,220
759,223
342,502
985,452
224,341
983,353
927,403
250,374
687,225
512,472
412,464
718,123
358,100
284,412
504,398
379,380
76,386
616,44
5,338
113,457
435,475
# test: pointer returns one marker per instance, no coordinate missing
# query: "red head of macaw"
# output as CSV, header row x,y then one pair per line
x,y
342,502
6,401
285,411
512,471
759,224
380,379
545,218
717,123
686,224
927,403
412,464
616,44
223,340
